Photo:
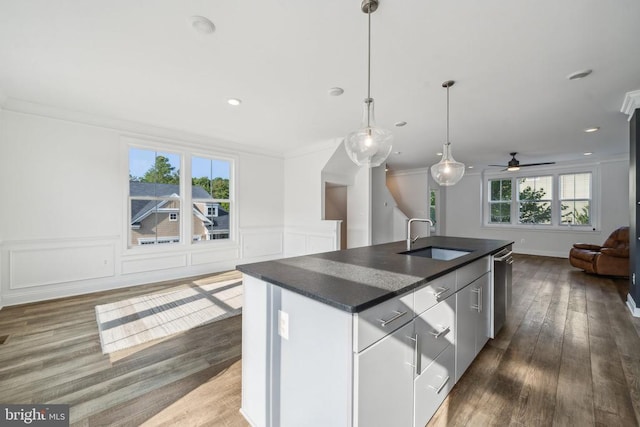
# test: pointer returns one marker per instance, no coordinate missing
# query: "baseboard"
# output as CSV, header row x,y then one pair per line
x,y
553,254
247,418
635,311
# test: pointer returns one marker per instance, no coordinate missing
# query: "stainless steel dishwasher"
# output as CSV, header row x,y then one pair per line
x,y
502,272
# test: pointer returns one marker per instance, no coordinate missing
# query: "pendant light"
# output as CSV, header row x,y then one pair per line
x,y
447,171
369,145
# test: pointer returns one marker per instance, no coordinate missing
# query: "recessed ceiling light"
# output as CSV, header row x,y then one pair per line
x,y
588,153
469,167
579,74
400,124
397,152
438,154
593,129
201,25
234,101
336,91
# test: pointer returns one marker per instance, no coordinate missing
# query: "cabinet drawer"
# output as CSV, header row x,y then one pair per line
x,y
435,329
434,291
471,272
432,387
382,319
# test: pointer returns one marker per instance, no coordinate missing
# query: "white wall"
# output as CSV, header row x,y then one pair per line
x,y
305,230
335,208
411,191
359,209
382,205
63,229
464,215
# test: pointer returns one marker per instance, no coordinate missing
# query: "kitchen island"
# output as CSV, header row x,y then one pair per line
x,y
371,336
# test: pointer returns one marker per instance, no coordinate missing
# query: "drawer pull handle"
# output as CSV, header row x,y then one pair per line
x,y
439,389
438,294
437,334
396,316
416,357
479,305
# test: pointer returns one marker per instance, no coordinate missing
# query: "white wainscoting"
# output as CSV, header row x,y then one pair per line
x,y
37,270
63,262
262,243
311,240
154,263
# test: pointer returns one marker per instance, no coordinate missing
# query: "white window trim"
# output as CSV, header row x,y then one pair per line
x,y
186,152
555,225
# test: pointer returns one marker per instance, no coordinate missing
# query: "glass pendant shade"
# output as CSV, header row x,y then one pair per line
x,y
447,171
369,145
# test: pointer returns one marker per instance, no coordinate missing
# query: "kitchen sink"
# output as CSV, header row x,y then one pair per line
x,y
442,254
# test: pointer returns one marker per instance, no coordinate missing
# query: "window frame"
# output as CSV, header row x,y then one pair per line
x,y
590,199
186,152
556,172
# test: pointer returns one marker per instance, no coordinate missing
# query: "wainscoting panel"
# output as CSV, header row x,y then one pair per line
x,y
262,244
29,267
214,256
324,237
152,264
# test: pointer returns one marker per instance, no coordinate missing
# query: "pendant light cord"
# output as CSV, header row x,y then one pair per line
x,y
448,114
369,67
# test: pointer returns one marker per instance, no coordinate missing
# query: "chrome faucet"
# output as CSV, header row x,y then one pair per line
x,y
410,241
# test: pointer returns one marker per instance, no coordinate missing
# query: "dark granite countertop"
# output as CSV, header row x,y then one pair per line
x,y
356,279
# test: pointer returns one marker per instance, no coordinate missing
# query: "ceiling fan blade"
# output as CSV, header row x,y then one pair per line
x,y
500,166
538,164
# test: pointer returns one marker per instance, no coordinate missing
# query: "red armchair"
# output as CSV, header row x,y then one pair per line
x,y
610,259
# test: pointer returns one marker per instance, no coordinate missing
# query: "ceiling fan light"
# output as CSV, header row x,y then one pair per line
x,y
513,168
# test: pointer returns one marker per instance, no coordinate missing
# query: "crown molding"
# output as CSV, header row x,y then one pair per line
x,y
314,148
129,128
631,103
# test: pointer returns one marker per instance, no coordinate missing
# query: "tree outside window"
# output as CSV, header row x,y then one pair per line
x,y
575,198
500,197
154,197
535,195
211,201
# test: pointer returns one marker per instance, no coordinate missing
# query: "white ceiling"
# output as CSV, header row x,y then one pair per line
x,y
140,61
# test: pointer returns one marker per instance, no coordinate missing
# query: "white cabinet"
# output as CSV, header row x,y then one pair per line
x,y
432,386
390,365
472,320
384,374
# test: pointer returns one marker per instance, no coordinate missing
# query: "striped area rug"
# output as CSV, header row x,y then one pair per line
x,y
141,319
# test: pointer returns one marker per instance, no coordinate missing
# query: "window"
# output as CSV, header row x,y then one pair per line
x,y
432,205
211,201
553,200
154,197
535,195
500,197
575,199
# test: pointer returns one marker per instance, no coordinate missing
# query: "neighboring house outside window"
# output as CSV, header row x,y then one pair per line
x,y
154,197
533,200
155,201
211,208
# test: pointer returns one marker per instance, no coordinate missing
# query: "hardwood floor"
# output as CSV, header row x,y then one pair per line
x,y
569,355
52,355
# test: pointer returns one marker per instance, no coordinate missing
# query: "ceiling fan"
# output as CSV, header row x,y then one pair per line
x,y
515,165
